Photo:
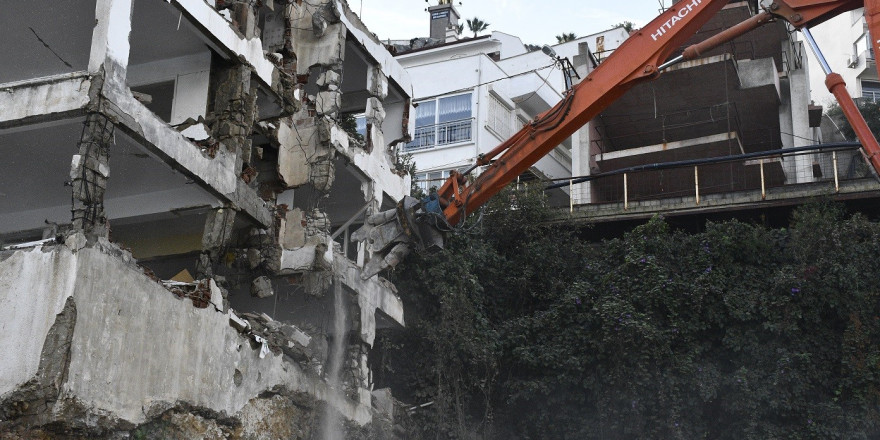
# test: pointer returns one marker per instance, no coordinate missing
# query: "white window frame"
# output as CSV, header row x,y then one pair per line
x,y
500,120
428,179
872,92
443,133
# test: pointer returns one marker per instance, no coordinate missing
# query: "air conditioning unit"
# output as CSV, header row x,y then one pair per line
x,y
853,61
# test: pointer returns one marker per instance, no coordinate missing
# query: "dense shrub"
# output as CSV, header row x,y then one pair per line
x,y
524,330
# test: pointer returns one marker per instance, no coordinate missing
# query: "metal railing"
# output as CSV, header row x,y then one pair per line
x,y
871,95
444,133
692,180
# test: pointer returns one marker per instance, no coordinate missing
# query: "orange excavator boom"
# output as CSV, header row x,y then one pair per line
x,y
642,57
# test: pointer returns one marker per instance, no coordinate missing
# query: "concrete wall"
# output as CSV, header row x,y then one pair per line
x,y
34,286
136,348
133,349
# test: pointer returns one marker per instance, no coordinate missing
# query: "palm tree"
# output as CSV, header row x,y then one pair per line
x,y
564,38
476,25
459,28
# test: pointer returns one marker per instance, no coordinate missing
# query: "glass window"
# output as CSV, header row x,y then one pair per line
x,y
425,133
500,117
863,46
426,113
442,121
454,108
432,179
871,90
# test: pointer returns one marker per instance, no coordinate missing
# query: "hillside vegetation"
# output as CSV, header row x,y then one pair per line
x,y
523,330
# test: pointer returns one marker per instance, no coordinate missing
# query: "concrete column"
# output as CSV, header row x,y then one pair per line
x,y
581,152
110,39
235,109
581,158
216,237
89,171
794,123
802,134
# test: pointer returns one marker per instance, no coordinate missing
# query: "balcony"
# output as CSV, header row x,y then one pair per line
x,y
737,182
871,95
444,133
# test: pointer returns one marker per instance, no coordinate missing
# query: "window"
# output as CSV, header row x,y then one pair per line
x,y
432,179
863,46
500,118
442,121
871,90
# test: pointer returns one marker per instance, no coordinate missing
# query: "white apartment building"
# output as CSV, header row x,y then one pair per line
x,y
846,44
472,94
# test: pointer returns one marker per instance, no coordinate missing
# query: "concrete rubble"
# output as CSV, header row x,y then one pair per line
x,y
214,141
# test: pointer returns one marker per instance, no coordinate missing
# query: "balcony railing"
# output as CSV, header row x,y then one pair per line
x,y
871,95
690,181
444,133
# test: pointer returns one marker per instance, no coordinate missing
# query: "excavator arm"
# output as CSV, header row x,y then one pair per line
x,y
642,57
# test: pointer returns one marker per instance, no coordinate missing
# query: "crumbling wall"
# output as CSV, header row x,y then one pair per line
x,y
99,349
125,354
30,404
34,287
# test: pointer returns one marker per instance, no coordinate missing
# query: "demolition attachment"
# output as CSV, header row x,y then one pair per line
x,y
391,235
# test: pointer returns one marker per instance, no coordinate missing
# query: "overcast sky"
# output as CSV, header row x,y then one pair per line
x,y
535,22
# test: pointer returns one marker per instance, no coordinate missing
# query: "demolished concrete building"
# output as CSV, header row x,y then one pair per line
x,y
174,220
747,96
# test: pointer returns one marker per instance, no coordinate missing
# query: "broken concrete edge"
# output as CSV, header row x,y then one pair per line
x,y
25,102
216,175
31,400
294,374
373,293
275,413
225,39
357,29
376,163
202,292
277,338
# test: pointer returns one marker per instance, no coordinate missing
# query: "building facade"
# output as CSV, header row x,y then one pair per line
x,y
846,44
472,94
746,96
175,220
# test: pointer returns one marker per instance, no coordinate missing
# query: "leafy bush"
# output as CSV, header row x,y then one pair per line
x,y
526,330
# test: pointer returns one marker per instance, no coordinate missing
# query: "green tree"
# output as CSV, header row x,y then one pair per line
x,y
476,25
526,330
566,37
869,109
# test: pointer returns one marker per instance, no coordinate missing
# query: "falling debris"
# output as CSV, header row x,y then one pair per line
x,y
262,287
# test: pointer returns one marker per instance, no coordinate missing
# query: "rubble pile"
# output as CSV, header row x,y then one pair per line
x,y
199,292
